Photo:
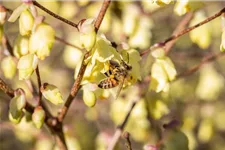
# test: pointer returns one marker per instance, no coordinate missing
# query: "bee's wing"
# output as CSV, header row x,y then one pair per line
x,y
119,88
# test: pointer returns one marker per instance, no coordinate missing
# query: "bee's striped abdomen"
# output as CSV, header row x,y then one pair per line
x,y
108,83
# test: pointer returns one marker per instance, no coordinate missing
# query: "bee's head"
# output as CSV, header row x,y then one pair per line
x,y
126,66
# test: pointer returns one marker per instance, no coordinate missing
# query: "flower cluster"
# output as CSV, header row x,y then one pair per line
x,y
35,40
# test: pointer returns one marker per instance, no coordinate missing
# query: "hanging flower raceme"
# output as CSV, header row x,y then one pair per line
x,y
38,117
42,40
21,46
26,22
8,66
87,34
163,71
52,93
26,66
17,103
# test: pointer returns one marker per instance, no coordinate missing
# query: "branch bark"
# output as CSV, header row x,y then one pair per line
x,y
121,127
76,85
55,15
176,36
195,68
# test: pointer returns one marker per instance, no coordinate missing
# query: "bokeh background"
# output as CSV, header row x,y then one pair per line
x,y
197,101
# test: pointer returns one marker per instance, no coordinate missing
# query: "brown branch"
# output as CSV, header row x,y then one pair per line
x,y
39,85
6,89
101,14
8,46
55,15
120,128
205,60
76,85
174,37
74,90
52,123
181,26
126,135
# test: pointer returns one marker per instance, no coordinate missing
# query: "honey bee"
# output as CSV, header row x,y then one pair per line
x,y
116,75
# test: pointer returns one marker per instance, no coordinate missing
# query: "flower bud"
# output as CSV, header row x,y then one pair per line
x,y
16,119
87,34
41,41
38,117
2,14
15,114
26,22
26,65
8,67
21,46
158,53
89,98
52,93
21,102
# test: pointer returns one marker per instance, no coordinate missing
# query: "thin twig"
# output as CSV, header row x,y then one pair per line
x,y
74,90
66,42
101,14
120,128
6,89
54,15
181,26
174,37
39,85
205,60
126,135
76,85
8,46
